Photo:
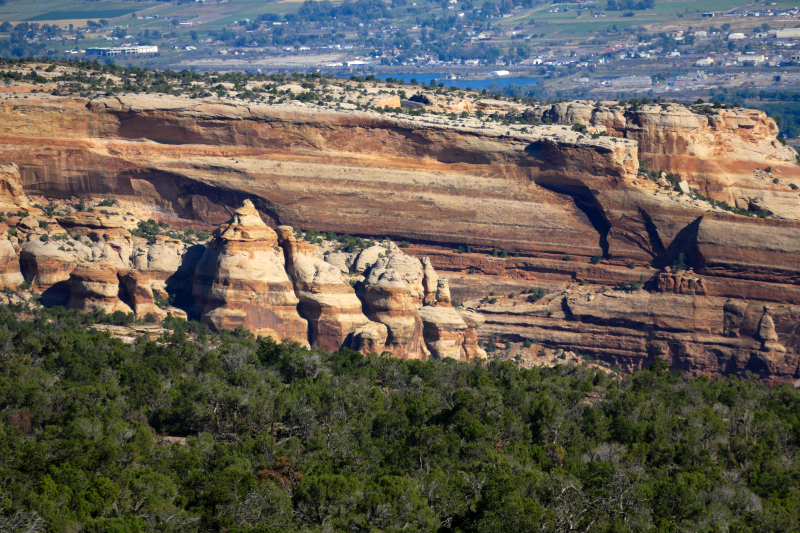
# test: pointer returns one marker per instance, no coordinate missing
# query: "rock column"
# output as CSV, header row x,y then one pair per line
x,y
241,281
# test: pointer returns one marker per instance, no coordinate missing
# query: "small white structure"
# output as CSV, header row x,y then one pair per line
x,y
123,50
755,58
736,36
788,33
498,73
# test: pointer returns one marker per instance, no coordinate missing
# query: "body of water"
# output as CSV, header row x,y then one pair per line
x,y
461,84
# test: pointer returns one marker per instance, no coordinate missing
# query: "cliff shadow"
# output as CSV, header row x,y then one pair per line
x,y
586,202
179,285
684,242
56,295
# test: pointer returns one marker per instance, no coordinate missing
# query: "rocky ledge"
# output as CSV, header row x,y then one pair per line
x,y
605,194
248,275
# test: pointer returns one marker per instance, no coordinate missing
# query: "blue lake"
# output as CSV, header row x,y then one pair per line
x,y
462,84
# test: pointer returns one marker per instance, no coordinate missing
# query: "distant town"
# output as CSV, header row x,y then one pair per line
x,y
582,49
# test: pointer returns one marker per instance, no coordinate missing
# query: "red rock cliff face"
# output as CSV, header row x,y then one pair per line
x,y
550,191
716,150
341,172
547,194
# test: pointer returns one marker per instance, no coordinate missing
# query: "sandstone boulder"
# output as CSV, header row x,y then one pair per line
x,y
443,331
12,195
10,274
370,338
169,266
430,281
96,289
100,218
473,320
139,291
49,263
446,331
342,261
767,333
368,256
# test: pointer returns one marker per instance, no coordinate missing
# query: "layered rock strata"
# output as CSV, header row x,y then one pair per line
x,y
392,293
328,302
695,334
549,193
241,281
550,190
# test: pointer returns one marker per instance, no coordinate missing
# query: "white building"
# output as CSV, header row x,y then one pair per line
x,y
788,33
123,50
499,73
736,36
707,62
755,58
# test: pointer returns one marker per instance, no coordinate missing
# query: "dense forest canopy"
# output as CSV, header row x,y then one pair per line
x,y
281,438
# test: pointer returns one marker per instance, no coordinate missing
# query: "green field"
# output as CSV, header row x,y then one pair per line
x,y
569,22
88,14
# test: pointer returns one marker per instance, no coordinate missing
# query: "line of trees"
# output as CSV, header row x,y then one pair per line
x,y
627,5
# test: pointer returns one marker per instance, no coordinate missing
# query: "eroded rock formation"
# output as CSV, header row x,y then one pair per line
x,y
557,197
12,193
241,281
96,289
328,303
392,293
683,282
10,275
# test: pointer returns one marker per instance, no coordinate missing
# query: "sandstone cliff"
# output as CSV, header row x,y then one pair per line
x,y
555,196
699,335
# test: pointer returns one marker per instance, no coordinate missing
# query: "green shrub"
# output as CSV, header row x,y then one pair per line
x,y
680,263
535,295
